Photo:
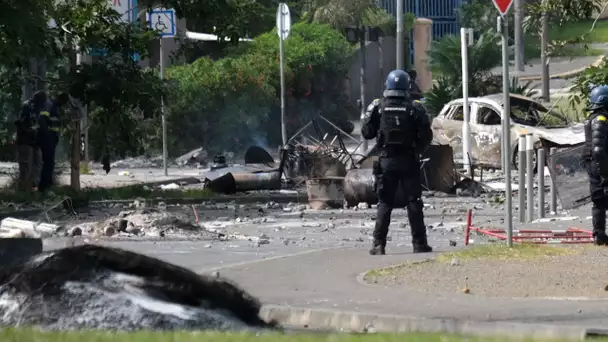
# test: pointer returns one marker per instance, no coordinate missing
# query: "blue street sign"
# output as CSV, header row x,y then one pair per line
x,y
162,21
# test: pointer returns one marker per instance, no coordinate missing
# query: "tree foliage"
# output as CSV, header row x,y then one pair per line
x,y
342,13
233,19
24,30
230,103
559,13
115,86
117,89
593,76
445,58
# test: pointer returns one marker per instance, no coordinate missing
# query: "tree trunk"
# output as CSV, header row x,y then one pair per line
x,y
75,157
76,118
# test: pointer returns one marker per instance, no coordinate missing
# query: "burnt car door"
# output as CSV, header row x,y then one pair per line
x,y
486,135
447,127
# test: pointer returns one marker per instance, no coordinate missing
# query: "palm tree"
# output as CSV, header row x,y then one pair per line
x,y
445,57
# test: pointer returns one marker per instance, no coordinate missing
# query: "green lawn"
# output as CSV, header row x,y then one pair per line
x,y
571,30
568,32
28,335
81,198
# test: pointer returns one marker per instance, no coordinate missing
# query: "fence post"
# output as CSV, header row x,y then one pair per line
x,y
553,193
521,154
541,182
530,176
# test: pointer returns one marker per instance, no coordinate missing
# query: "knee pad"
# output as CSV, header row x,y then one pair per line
x,y
415,205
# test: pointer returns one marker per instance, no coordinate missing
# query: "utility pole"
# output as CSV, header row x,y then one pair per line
x,y
519,36
544,61
400,35
362,53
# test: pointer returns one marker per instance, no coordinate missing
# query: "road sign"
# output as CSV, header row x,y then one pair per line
x,y
123,7
163,21
283,28
503,6
283,21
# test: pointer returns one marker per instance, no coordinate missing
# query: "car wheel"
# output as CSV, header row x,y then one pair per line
x,y
515,159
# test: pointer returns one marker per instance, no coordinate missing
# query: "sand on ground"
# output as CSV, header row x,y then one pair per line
x,y
582,274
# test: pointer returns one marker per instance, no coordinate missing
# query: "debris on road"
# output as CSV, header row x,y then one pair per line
x,y
145,222
233,181
138,163
196,157
437,170
326,192
12,227
94,287
258,155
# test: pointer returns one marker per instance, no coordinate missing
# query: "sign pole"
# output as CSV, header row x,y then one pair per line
x,y
466,129
283,28
162,107
502,27
506,128
282,67
156,21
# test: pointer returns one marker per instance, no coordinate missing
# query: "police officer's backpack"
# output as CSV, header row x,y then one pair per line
x,y
397,125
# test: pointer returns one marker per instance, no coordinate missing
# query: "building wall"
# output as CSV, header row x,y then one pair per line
x,y
375,71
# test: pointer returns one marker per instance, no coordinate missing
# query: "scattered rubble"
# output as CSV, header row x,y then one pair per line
x,y
14,228
196,157
139,162
144,223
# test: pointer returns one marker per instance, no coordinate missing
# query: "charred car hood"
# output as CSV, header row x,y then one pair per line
x,y
573,135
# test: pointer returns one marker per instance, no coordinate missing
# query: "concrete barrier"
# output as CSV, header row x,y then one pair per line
x,y
298,318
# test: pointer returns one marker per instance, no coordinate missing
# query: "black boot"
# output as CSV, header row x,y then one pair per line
x,y
422,248
600,238
378,248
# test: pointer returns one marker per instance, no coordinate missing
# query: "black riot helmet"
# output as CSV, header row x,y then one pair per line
x,y
39,99
598,98
397,84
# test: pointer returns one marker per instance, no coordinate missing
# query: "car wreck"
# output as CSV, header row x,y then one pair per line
x,y
528,116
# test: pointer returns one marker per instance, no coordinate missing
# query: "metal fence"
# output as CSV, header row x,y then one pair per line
x,y
571,178
441,12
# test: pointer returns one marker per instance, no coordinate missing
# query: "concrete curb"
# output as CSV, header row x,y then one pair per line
x,y
565,75
370,322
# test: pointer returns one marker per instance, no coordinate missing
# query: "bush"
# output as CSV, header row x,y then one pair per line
x,y
593,76
230,103
445,60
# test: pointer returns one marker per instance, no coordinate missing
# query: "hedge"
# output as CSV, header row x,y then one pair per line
x,y
233,102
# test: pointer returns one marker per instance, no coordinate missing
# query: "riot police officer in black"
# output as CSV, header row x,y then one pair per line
x,y
402,130
595,157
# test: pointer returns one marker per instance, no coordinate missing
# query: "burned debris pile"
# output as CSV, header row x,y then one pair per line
x,y
94,287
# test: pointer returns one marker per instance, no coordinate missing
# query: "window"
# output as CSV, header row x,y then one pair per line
x,y
457,113
488,116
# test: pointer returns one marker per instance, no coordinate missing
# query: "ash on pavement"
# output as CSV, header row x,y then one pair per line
x,y
93,287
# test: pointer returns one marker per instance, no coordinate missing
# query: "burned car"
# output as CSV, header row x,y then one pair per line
x,y
549,128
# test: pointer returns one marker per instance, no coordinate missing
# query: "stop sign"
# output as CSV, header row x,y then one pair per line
x,y
503,6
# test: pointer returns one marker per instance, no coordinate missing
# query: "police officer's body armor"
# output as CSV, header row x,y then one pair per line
x,y
51,114
396,123
595,154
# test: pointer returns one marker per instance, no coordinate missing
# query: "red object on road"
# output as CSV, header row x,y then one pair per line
x,y
536,236
503,6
